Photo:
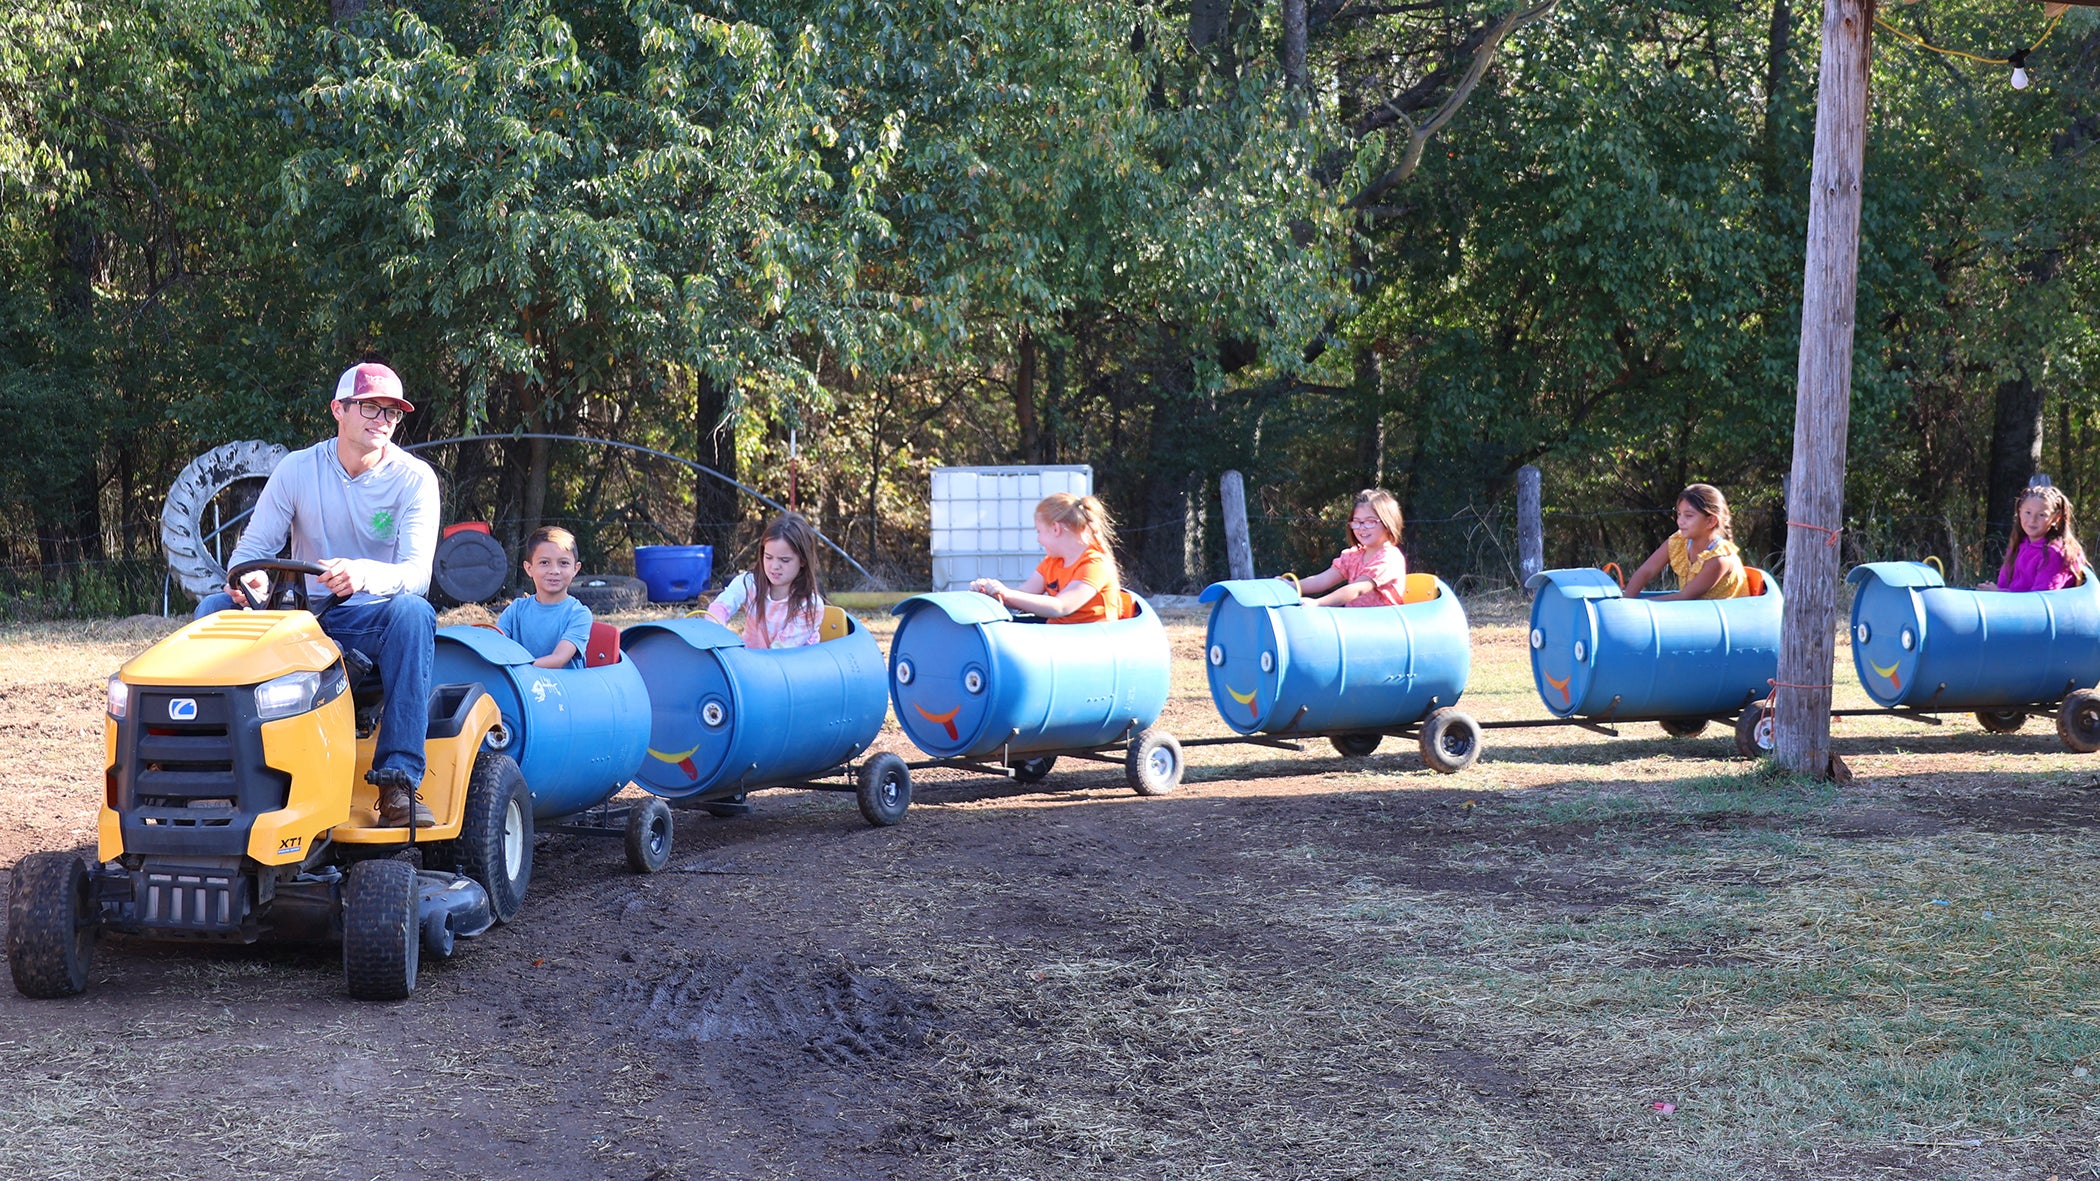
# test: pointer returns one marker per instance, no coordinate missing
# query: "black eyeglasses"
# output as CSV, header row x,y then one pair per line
x,y
373,410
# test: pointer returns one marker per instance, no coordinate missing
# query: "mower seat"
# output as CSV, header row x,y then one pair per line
x,y
603,647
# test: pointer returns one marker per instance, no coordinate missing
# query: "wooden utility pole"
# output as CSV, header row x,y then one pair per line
x,y
1531,526
1239,546
1823,399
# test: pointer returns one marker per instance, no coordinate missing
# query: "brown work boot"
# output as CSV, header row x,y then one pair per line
x,y
397,800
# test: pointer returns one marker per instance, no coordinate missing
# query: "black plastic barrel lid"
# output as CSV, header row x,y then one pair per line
x,y
469,567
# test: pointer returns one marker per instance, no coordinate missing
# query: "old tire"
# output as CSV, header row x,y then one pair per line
x,y
648,835
495,837
2001,721
241,467
1355,746
1753,731
51,927
2078,721
1152,763
604,593
382,941
883,790
1683,727
1032,770
1450,741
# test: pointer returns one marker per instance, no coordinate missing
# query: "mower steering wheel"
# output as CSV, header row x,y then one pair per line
x,y
285,582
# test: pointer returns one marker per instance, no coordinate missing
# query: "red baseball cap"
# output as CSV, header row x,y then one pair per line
x,y
370,380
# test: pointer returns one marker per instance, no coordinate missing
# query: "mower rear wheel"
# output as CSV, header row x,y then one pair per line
x,y
648,835
495,837
382,941
51,926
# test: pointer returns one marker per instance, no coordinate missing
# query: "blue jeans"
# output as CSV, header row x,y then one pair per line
x,y
399,635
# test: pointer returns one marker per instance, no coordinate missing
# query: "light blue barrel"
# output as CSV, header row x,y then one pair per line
x,y
724,718
578,734
1920,643
1598,654
1277,666
970,681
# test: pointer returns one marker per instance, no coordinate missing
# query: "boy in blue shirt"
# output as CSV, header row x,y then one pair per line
x,y
548,623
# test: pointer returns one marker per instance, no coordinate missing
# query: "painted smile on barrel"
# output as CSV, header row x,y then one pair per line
x,y
1890,673
1560,684
684,761
945,721
1246,699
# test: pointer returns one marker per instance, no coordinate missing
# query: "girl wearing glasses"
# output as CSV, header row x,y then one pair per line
x,y
1371,573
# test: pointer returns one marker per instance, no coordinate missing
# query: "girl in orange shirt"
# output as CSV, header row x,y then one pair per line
x,y
1077,582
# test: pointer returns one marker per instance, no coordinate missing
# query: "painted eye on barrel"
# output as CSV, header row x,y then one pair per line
x,y
1860,633
1217,655
1538,638
1268,662
1581,652
1907,639
904,672
973,681
713,714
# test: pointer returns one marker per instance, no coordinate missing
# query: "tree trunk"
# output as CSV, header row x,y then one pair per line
x,y
1823,398
2016,452
1294,45
1024,396
715,509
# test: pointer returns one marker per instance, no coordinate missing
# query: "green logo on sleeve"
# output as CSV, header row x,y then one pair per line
x,y
383,524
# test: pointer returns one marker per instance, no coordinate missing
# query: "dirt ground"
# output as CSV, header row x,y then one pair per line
x,y
1585,957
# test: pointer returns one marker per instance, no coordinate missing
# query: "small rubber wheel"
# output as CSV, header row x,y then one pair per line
x,y
1356,746
883,790
2001,721
382,941
1450,741
729,807
2078,721
1033,770
1683,727
648,835
51,926
495,837
1753,731
1152,763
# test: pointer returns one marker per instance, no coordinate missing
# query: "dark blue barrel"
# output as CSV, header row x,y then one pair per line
x,y
724,718
578,734
1277,666
1918,642
1597,654
969,681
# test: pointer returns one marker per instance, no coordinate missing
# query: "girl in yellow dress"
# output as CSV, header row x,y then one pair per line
x,y
1705,560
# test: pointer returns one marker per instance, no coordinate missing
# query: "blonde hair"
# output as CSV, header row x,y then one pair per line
x,y
1384,506
2063,530
551,535
1084,515
1708,501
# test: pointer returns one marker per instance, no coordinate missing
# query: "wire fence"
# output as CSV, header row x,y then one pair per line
x,y
1475,551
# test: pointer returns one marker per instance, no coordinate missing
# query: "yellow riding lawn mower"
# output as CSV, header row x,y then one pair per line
x,y
235,808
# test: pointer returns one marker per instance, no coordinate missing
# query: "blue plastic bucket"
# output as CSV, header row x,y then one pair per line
x,y
675,573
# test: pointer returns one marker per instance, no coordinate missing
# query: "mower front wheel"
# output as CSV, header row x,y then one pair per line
x,y
51,926
495,838
382,941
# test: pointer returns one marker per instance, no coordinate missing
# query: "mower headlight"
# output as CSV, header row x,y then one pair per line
x,y
292,693
119,699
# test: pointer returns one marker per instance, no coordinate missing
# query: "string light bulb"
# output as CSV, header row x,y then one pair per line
x,y
2018,61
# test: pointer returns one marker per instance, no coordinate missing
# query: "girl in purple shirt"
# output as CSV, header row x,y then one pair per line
x,y
2044,555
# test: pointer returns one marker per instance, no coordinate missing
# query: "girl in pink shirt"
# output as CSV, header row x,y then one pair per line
x,y
1371,573
2044,553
